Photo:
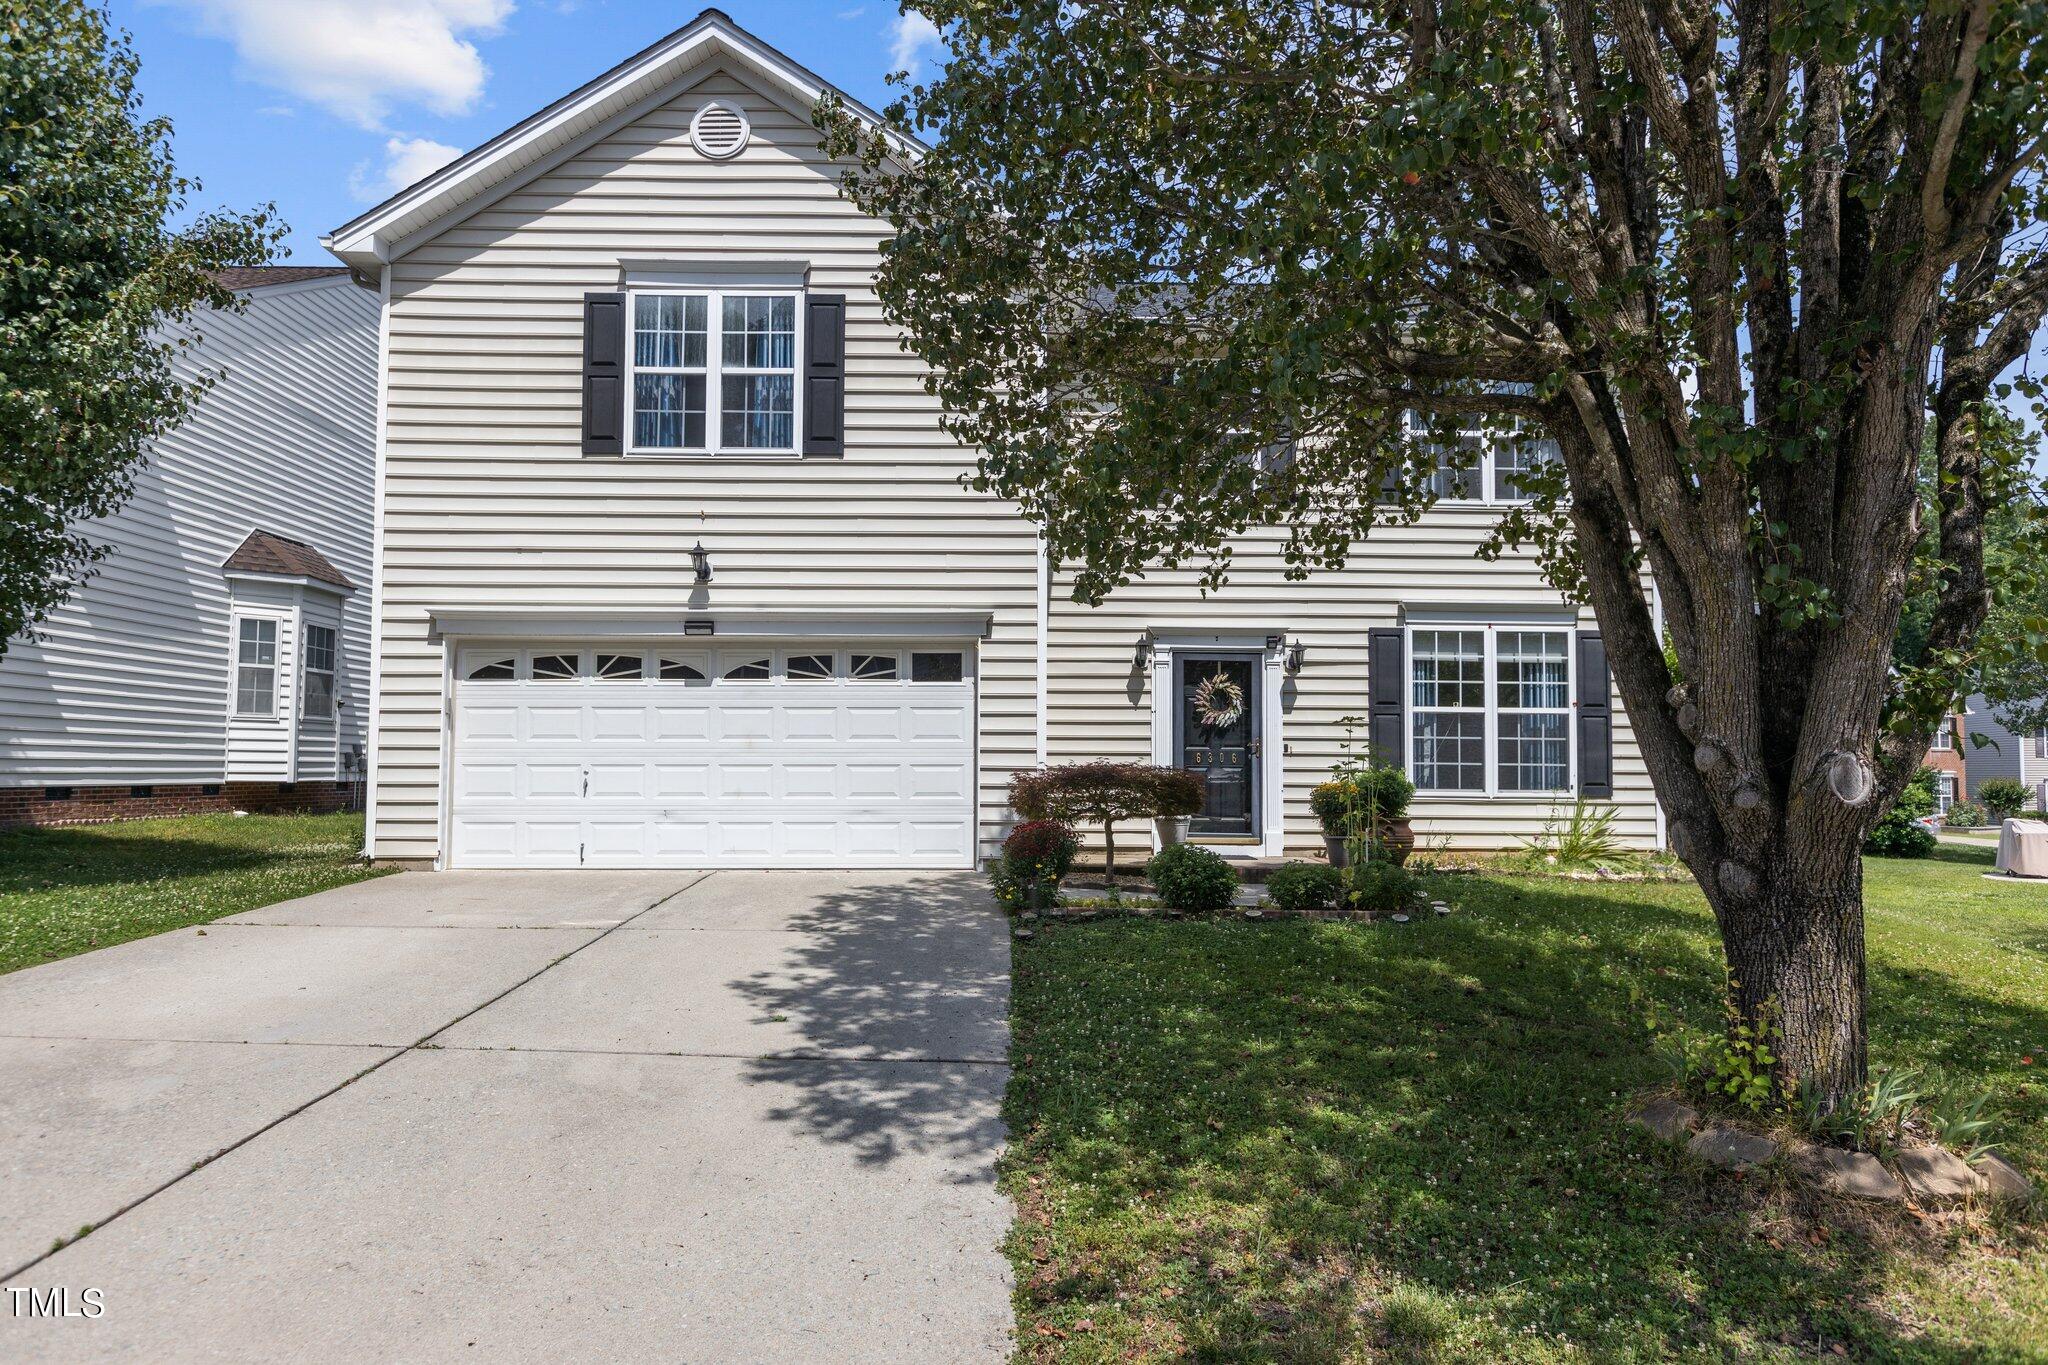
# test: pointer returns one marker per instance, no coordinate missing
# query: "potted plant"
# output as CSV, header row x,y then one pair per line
x,y
1364,813
1178,797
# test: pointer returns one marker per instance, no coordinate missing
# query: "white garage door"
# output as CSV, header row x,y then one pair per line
x,y
789,754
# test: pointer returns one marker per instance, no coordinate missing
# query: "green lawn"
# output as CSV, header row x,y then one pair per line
x,y
79,887
1304,1141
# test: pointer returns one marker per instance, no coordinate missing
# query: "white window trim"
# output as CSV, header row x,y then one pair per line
x,y
1483,472
306,671
714,296
1490,695
236,666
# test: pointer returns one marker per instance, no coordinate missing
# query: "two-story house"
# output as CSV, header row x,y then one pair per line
x,y
676,567
217,658
1992,751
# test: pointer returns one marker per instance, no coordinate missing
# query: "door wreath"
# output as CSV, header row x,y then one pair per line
x,y
1219,701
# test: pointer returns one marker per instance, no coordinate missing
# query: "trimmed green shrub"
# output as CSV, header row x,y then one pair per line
x,y
1382,888
2004,797
1897,835
1190,877
1305,886
1968,815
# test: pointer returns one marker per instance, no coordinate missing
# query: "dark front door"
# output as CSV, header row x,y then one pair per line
x,y
1216,730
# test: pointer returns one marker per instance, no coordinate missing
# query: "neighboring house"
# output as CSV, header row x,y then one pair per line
x,y
643,321
1994,751
1945,755
217,658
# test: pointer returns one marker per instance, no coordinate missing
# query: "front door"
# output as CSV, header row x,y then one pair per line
x,y
1216,731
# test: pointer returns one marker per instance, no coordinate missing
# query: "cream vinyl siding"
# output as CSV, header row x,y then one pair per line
x,y
489,504
127,682
1101,701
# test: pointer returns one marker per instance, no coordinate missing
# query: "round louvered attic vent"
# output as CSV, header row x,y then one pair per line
x,y
719,131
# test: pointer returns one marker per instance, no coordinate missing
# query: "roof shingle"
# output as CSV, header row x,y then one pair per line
x,y
265,553
253,276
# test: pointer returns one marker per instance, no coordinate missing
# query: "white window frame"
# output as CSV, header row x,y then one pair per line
x,y
307,671
1944,792
1490,695
1944,741
1484,473
714,371
235,683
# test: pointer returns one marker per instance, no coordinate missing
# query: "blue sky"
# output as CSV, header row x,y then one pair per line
x,y
326,106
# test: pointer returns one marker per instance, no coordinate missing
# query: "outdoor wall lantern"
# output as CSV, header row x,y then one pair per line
x,y
1143,655
700,560
1297,654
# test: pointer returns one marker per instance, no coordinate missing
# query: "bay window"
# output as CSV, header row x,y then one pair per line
x,y
714,372
1490,709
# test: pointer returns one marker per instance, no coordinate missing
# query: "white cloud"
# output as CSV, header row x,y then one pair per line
x,y
856,12
360,58
912,35
406,160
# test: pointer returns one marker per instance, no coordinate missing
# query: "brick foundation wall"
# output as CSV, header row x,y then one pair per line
x,y
93,805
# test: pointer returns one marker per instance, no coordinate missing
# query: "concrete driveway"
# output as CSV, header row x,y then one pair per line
x,y
528,1116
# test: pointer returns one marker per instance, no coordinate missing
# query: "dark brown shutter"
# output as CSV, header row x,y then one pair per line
x,y
1386,693
604,374
825,374
1596,719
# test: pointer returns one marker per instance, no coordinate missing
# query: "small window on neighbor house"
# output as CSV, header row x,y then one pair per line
x,y
810,668
619,667
494,670
752,670
554,667
255,667
935,667
874,668
680,670
1944,738
318,701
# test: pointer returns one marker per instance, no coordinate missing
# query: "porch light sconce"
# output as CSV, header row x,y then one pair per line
x,y
1297,654
700,560
1143,655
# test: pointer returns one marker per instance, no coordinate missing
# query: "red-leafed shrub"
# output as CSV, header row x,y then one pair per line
x,y
1042,843
1102,794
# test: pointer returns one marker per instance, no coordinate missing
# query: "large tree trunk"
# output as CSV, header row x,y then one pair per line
x,y
1794,944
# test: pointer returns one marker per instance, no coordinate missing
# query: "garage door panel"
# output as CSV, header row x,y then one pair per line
x,y
615,723
742,723
810,724
481,721
805,780
749,773
672,723
673,780
544,723
937,780
552,781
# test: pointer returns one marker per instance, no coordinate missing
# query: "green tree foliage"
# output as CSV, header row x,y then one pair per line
x,y
1181,269
92,271
1897,835
2008,662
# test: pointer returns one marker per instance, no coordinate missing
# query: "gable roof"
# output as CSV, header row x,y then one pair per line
x,y
372,239
256,276
261,552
